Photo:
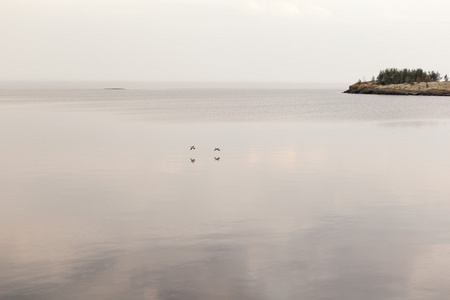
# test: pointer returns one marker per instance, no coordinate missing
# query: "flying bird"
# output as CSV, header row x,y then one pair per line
x,y
216,158
192,147
216,149
192,160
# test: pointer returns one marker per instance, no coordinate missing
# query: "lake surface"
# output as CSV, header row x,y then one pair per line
x,y
316,195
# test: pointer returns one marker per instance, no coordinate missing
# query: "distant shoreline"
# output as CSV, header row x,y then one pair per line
x,y
158,85
414,89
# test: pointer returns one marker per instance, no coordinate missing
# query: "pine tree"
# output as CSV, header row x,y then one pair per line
x,y
386,79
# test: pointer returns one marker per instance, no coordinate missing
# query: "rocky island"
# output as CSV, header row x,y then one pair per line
x,y
403,82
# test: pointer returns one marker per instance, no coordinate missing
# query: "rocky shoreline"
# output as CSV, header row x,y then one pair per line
x,y
415,89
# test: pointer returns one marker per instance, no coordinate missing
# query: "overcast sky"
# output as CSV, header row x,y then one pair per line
x,y
220,40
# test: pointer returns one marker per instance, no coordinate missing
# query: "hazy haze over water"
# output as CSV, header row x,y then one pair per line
x,y
220,40
317,195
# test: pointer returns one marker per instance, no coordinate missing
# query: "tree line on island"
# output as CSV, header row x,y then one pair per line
x,y
396,76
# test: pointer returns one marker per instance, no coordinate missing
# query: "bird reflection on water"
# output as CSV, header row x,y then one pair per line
x,y
215,157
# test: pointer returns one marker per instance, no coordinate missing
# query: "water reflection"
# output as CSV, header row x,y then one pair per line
x,y
98,206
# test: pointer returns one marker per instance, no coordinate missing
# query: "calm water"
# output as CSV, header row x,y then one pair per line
x,y
316,195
